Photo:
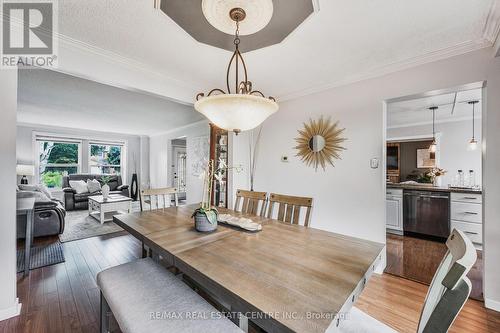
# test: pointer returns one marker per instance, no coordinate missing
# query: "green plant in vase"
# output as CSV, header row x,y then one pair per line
x,y
205,217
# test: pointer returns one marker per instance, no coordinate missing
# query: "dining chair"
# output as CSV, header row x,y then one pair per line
x,y
447,294
150,196
289,208
157,196
248,202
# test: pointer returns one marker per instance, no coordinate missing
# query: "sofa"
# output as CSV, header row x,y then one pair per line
x,y
74,201
49,216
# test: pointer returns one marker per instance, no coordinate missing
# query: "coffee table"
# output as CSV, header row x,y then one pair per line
x,y
103,209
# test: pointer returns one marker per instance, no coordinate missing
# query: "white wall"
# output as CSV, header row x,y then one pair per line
x,y
8,106
349,198
453,146
161,155
26,155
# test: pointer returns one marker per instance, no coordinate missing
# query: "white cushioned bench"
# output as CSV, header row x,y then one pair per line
x,y
145,297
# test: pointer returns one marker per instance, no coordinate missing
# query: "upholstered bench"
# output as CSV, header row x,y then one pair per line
x,y
145,297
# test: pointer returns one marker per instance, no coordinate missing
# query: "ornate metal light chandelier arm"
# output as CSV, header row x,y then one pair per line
x,y
200,95
236,58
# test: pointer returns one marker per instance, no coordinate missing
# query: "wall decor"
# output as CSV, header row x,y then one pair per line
x,y
200,157
319,143
425,159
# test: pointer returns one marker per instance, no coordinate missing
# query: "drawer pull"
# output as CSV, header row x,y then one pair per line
x,y
470,213
471,233
470,198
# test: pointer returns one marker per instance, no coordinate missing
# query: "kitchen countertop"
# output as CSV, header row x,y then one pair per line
x,y
432,188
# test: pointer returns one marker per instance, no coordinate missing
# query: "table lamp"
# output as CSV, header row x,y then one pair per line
x,y
25,170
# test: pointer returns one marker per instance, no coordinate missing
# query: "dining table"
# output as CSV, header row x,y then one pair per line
x,y
283,278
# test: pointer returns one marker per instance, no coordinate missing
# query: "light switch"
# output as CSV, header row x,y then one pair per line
x,y
374,163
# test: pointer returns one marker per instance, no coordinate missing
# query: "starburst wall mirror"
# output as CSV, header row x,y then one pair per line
x,y
320,143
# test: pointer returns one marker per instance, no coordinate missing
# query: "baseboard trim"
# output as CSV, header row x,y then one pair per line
x,y
491,304
13,311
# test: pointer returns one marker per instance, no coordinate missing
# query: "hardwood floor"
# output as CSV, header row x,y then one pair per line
x,y
418,259
397,302
65,297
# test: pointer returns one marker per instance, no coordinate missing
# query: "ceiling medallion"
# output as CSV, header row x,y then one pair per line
x,y
256,13
243,109
319,143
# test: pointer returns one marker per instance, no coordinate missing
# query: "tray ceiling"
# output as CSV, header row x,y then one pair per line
x,y
346,41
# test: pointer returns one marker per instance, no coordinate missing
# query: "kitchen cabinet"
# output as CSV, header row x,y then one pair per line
x,y
467,216
394,211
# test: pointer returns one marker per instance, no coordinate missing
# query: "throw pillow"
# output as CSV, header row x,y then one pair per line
x,y
80,186
93,185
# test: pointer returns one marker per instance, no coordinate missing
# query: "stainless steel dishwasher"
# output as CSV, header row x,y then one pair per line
x,y
426,213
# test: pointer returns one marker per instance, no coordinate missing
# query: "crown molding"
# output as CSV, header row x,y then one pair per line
x,y
423,59
492,25
173,130
491,29
128,63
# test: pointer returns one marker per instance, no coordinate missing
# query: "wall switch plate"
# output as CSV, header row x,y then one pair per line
x,y
374,163
284,158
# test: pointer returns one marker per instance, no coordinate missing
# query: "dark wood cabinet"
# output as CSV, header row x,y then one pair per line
x,y
219,141
393,162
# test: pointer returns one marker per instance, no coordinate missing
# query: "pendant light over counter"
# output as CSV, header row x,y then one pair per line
x,y
243,108
473,142
433,145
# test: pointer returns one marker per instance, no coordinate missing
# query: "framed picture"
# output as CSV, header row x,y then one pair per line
x,y
424,159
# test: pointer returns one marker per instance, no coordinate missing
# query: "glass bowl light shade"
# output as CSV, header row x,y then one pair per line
x,y
236,112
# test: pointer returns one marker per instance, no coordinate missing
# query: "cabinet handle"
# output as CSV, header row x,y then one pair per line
x,y
471,233
470,213
470,198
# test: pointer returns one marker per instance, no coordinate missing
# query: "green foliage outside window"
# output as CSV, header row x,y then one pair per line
x,y
52,179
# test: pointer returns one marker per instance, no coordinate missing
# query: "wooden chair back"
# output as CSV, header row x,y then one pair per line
x,y
155,197
250,202
289,208
450,288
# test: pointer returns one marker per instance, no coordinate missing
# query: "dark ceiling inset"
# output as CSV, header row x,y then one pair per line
x,y
287,16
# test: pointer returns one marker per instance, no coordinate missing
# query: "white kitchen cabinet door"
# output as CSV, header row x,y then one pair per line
x,y
394,208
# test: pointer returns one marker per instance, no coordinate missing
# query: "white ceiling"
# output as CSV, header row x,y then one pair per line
x,y
54,99
416,111
344,41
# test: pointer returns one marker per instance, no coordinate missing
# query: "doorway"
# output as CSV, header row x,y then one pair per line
x,y
433,176
179,167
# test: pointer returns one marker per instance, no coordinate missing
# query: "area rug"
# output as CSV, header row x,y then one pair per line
x,y
80,225
41,256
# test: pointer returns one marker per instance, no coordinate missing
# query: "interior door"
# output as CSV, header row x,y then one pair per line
x,y
179,167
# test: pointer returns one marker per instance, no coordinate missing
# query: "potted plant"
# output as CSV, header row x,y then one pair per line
x,y
105,187
205,217
435,175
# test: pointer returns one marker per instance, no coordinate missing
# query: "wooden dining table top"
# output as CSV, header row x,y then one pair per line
x,y
298,277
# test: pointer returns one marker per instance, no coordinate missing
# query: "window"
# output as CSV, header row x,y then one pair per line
x,y
57,159
105,159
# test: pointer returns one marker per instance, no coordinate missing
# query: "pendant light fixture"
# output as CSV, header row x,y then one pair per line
x,y
240,109
433,146
473,142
